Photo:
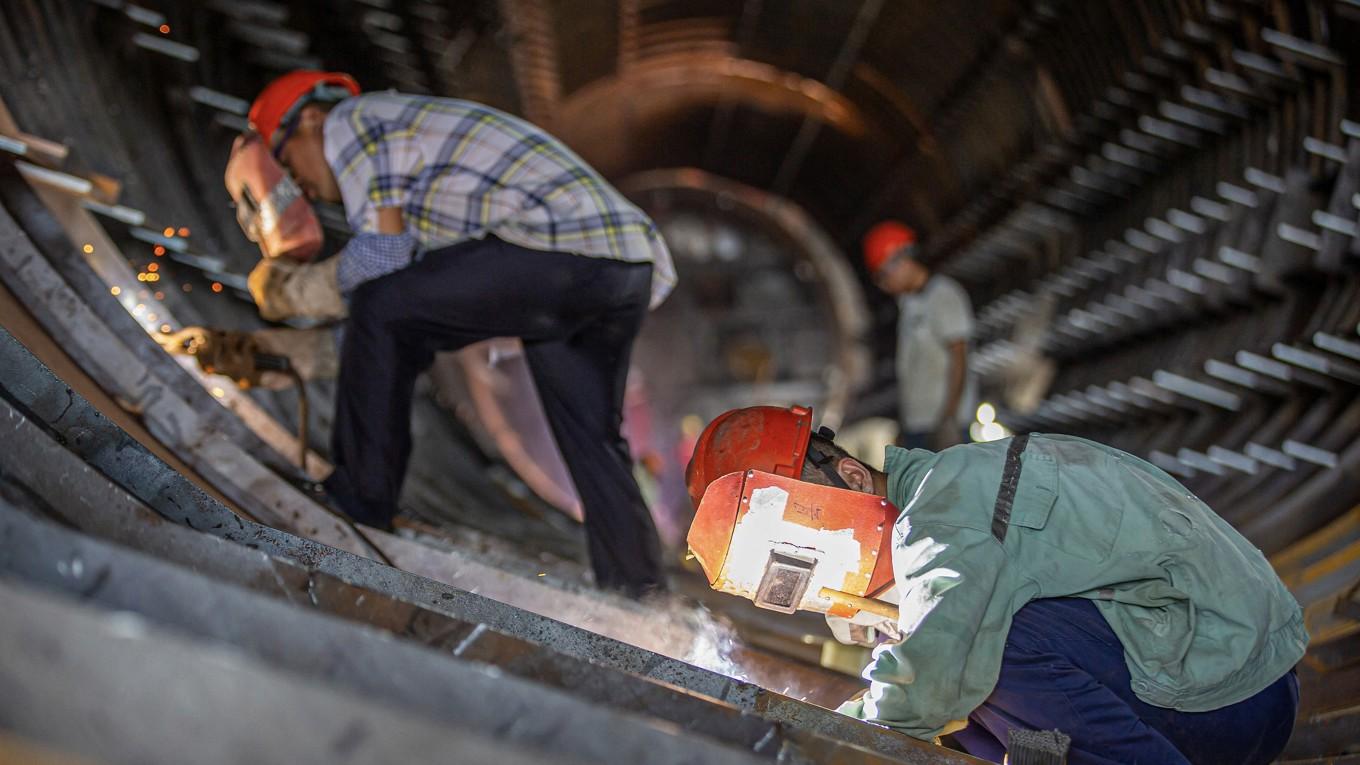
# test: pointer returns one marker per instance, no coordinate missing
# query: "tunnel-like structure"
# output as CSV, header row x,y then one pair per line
x,y
1152,204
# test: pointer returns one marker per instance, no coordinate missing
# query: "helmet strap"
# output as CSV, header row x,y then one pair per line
x,y
823,463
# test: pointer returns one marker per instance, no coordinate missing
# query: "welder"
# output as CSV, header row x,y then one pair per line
x,y
468,224
1037,582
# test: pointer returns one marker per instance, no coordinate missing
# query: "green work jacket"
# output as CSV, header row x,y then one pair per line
x,y
1204,620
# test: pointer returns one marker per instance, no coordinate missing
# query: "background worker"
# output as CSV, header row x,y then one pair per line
x,y
468,224
1043,582
937,395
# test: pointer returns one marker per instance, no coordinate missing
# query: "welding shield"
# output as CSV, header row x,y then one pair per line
x,y
269,205
789,545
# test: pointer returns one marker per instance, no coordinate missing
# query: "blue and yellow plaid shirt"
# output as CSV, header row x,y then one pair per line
x,y
460,170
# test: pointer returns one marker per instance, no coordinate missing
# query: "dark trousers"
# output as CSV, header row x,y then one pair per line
x,y
577,317
1064,668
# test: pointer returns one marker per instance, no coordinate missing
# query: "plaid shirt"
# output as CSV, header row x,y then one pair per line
x,y
460,170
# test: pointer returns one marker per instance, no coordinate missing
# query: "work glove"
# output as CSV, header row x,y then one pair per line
x,y
218,352
864,629
286,289
245,357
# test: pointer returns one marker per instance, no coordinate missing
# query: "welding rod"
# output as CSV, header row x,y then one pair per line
x,y
876,607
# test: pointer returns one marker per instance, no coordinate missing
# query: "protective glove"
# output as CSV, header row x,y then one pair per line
x,y
218,352
285,289
864,629
310,352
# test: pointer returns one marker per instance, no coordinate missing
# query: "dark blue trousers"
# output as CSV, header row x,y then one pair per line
x,y
577,317
1064,668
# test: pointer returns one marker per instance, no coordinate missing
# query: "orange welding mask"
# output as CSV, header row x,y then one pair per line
x,y
269,205
790,545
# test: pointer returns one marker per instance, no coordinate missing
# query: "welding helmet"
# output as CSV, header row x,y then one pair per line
x,y
279,103
886,241
270,207
790,545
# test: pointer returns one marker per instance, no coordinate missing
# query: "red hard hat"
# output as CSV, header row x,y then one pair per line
x,y
279,97
884,240
767,438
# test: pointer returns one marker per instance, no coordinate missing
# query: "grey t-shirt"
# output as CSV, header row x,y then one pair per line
x,y
930,321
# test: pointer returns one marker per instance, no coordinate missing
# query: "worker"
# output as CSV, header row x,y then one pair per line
x,y
468,224
937,397
1041,581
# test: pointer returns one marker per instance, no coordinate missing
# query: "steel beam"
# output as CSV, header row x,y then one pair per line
x,y
113,688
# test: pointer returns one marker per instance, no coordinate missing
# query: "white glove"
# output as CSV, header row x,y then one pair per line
x,y
864,629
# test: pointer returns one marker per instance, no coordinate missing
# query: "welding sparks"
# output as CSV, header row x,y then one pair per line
x,y
714,641
88,249
217,286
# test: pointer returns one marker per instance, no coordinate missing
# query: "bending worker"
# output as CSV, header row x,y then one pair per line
x,y
937,395
1042,581
468,224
